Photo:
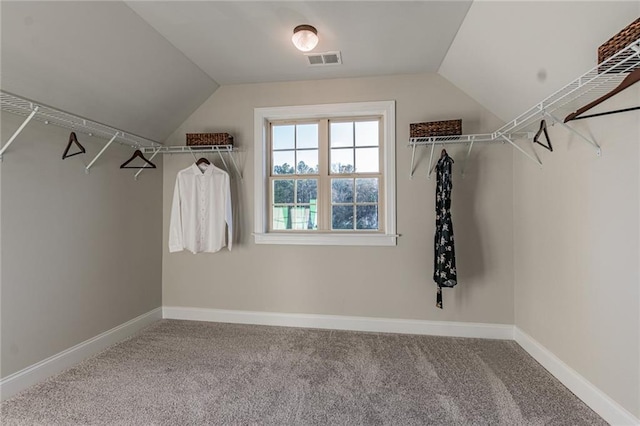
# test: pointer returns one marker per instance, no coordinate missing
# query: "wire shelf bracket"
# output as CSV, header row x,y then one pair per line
x,y
18,131
574,131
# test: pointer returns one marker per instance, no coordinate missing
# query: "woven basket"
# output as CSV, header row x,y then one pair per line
x,y
435,128
618,42
209,139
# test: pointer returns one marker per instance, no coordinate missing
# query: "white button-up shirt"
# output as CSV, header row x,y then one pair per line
x,y
201,207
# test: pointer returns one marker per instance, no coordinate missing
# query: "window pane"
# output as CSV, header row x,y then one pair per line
x,y
283,162
341,134
342,160
366,190
283,137
294,217
299,216
280,217
307,162
367,217
283,191
342,190
307,190
342,217
307,136
367,133
313,215
367,160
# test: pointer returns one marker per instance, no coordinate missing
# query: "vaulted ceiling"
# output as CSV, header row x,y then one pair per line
x,y
145,66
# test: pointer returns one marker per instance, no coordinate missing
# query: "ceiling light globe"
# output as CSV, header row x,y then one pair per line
x,y
305,37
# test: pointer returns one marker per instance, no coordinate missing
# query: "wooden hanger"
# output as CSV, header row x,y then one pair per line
x,y
138,154
72,140
543,129
203,160
629,80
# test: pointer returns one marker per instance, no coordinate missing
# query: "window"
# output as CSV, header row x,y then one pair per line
x,y
325,174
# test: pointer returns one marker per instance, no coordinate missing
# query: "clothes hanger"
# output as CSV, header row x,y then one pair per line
x,y
444,154
137,154
628,81
543,128
203,160
73,139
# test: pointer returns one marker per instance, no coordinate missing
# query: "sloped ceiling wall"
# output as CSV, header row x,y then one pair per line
x,y
238,42
99,60
508,56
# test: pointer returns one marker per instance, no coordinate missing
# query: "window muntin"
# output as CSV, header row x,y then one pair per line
x,y
311,156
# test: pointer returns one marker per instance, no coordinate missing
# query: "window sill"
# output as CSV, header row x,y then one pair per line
x,y
326,239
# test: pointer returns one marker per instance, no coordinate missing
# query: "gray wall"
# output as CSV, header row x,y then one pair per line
x,y
80,253
391,282
576,250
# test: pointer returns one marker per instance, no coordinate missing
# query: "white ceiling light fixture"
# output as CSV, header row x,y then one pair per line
x,y
305,37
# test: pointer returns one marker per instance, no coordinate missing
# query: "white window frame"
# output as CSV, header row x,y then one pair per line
x,y
262,117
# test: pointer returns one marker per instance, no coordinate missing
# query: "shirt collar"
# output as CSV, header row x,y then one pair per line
x,y
198,171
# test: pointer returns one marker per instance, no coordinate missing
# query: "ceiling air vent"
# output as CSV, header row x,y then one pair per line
x,y
326,58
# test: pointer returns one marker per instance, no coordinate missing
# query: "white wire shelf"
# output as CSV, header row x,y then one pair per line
x,y
598,81
197,150
461,139
49,115
188,149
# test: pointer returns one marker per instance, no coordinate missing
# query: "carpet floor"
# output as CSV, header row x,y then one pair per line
x,y
195,373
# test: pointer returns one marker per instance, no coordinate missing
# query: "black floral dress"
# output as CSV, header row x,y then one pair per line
x,y
444,262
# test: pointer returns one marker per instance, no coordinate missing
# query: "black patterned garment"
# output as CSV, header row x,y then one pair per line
x,y
444,262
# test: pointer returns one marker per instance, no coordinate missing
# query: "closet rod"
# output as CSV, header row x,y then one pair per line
x,y
49,115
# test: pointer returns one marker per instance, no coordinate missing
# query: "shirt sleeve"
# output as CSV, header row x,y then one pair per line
x,y
228,215
176,242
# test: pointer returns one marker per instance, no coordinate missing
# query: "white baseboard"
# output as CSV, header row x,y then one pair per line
x,y
336,322
599,402
602,404
55,364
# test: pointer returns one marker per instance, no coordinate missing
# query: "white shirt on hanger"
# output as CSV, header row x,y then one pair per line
x,y
201,207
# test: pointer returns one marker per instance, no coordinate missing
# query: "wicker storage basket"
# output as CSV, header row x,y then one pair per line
x,y
435,128
209,139
619,41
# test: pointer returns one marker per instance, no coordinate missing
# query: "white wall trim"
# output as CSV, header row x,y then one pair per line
x,y
597,400
61,361
337,322
332,239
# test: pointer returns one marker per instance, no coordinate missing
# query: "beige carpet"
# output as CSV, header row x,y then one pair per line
x,y
194,373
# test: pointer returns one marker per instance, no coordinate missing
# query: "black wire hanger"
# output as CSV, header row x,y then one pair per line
x,y
73,139
138,154
543,128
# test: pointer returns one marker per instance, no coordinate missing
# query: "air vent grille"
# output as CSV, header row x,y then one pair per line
x,y
326,58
